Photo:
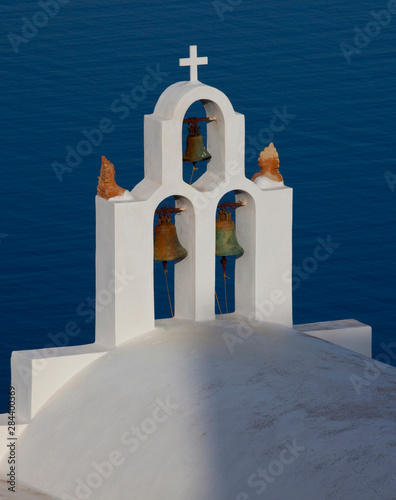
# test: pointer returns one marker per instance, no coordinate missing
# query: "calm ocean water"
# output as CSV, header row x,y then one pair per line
x,y
337,149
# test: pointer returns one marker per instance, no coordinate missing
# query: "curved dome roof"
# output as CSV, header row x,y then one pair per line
x,y
174,414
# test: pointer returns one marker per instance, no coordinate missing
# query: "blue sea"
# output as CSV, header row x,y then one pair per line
x,y
328,67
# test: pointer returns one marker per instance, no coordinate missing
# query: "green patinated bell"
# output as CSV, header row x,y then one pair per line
x,y
226,240
195,150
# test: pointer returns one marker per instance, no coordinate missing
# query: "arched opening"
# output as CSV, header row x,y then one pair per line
x,y
228,250
172,249
194,140
224,140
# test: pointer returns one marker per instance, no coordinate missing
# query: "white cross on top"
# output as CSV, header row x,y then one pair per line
x,y
193,61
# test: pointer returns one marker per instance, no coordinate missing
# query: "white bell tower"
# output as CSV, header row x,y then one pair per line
x,y
124,244
124,250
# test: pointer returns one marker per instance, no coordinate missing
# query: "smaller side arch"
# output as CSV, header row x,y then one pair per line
x,y
184,270
163,135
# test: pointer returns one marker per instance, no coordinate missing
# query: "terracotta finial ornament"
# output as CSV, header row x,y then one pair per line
x,y
107,187
268,161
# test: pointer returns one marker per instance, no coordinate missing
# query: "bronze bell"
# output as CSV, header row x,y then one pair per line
x,y
195,149
166,243
226,240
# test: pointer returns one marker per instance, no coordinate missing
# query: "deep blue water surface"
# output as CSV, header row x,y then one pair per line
x,y
337,149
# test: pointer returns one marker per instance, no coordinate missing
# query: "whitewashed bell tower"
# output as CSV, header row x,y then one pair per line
x,y
124,234
124,264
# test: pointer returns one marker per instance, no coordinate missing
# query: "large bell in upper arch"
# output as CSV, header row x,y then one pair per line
x,y
195,149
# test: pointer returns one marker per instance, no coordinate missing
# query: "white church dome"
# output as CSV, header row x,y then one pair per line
x,y
175,414
199,407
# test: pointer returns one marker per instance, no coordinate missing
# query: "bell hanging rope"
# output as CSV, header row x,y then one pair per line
x,y
166,242
226,240
195,147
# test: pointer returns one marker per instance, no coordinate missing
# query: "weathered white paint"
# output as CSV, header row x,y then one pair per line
x,y
347,333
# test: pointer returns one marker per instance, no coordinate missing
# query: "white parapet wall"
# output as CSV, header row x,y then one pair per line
x,y
347,333
38,374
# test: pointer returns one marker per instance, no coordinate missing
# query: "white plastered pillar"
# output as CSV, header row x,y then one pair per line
x,y
124,271
274,256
